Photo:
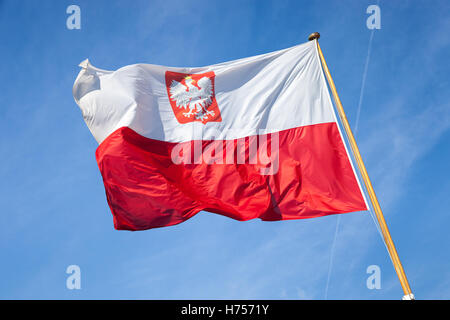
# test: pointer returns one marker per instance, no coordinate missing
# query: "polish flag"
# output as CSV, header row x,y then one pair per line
x,y
251,138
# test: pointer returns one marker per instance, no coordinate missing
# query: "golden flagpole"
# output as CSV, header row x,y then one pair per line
x,y
362,168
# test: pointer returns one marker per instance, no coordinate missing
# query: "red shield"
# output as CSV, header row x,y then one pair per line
x,y
192,97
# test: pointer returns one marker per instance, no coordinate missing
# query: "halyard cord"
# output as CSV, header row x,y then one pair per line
x,y
330,266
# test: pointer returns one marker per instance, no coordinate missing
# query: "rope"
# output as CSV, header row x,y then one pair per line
x,y
356,126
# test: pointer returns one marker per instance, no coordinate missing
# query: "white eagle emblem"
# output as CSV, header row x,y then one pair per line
x,y
194,96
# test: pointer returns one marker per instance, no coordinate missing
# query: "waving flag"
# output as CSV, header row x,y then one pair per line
x,y
250,138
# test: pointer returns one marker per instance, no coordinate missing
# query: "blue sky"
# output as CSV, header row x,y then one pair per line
x,y
54,211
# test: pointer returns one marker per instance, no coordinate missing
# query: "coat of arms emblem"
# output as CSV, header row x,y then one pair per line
x,y
192,97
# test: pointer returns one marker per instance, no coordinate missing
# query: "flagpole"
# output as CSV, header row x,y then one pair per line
x,y
362,168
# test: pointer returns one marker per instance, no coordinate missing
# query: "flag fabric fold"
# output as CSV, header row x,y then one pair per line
x,y
251,138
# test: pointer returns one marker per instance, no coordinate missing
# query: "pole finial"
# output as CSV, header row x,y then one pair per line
x,y
314,35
